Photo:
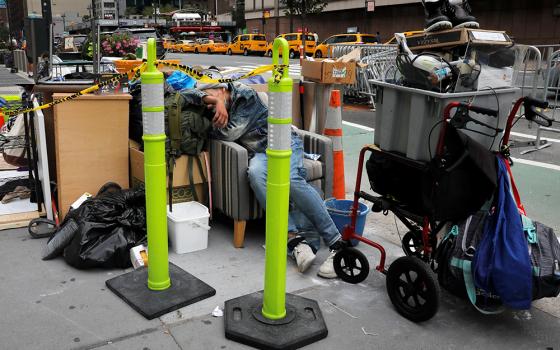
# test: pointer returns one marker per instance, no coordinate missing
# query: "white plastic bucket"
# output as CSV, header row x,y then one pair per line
x,y
188,227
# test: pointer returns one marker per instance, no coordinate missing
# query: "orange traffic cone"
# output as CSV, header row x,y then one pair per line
x,y
333,129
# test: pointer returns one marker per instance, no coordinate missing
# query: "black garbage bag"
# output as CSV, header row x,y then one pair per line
x,y
108,226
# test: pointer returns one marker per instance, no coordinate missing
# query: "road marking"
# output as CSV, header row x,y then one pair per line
x,y
359,126
533,137
537,164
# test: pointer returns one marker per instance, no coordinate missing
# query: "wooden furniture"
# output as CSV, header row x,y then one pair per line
x,y
91,145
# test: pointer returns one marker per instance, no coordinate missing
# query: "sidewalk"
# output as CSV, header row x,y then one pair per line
x,y
50,305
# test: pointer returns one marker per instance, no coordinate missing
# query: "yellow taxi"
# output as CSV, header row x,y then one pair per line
x,y
183,46
168,43
406,35
210,46
350,38
294,42
248,44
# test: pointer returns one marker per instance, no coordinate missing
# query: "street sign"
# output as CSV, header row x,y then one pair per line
x,y
370,5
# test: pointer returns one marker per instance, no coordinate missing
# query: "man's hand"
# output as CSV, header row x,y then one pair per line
x,y
221,115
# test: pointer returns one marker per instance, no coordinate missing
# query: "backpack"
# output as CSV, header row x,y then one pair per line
x,y
187,128
454,258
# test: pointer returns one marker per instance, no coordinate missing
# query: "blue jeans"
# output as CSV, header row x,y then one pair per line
x,y
304,198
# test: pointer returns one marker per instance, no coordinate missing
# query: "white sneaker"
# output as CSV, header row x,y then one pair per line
x,y
327,268
304,256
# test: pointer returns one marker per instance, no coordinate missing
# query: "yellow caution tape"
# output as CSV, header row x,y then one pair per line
x,y
206,79
277,72
132,74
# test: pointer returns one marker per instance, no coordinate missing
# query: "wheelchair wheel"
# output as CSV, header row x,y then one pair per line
x,y
412,244
413,289
351,265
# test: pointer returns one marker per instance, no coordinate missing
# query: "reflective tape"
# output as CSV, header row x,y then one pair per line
x,y
152,95
279,137
280,105
153,123
334,118
336,143
279,121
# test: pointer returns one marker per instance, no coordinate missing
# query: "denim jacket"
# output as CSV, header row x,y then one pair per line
x,y
247,122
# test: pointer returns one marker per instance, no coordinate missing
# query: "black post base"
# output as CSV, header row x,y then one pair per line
x,y
303,324
133,288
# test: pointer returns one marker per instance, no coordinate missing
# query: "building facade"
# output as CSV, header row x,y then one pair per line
x,y
528,22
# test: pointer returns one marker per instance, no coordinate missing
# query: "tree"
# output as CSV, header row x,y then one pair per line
x,y
302,8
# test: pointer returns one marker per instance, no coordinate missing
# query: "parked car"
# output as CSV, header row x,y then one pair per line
x,y
168,42
143,34
248,44
406,34
354,38
211,46
294,42
183,46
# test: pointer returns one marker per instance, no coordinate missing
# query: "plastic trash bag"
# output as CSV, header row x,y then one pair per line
x,y
108,225
180,81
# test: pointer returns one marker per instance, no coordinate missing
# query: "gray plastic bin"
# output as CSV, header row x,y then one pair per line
x,y
405,116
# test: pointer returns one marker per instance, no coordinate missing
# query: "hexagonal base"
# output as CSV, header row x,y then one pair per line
x,y
245,324
185,289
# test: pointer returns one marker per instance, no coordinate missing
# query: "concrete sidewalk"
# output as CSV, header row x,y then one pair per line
x,y
50,305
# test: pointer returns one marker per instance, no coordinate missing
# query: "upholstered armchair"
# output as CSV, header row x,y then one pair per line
x,y
231,193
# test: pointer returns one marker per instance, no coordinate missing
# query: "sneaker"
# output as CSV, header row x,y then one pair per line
x,y
304,256
327,268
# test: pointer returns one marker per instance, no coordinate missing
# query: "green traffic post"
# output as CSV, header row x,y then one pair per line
x,y
154,170
274,319
278,152
161,296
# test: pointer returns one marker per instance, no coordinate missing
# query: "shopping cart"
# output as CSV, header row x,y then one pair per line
x,y
411,283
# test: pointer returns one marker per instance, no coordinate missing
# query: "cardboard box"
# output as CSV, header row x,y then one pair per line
x,y
328,72
182,189
454,37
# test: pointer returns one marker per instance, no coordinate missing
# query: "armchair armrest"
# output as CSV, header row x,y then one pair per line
x,y
319,144
231,193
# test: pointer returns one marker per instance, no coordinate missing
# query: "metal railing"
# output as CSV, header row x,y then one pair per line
x,y
537,73
375,61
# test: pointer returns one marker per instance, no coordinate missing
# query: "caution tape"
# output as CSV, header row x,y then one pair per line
x,y
132,74
277,72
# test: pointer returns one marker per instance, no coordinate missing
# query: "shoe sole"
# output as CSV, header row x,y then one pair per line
x,y
467,25
439,26
305,265
327,276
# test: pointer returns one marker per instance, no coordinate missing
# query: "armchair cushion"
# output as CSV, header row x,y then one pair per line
x,y
231,192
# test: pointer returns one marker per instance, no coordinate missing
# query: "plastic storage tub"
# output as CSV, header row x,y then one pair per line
x,y
188,227
405,116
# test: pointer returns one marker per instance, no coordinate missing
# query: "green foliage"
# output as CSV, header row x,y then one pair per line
x,y
303,7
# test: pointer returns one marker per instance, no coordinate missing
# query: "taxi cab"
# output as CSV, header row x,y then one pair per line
x,y
183,46
406,35
294,42
168,43
248,44
350,38
210,46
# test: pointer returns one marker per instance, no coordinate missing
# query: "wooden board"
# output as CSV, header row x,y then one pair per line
x,y
91,145
17,220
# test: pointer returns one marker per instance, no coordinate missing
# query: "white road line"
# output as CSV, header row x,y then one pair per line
x,y
358,126
538,164
533,137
